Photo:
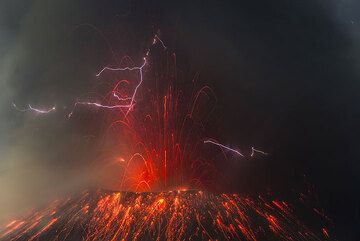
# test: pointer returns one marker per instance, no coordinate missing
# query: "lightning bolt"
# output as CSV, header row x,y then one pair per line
x,y
132,99
224,147
119,98
128,106
36,110
99,105
253,151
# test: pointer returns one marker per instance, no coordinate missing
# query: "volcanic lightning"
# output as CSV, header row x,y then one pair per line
x,y
138,68
253,151
224,147
35,110
160,155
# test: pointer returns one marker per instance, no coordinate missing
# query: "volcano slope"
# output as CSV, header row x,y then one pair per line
x,y
174,215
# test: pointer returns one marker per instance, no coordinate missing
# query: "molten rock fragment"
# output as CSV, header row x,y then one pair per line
x,y
174,215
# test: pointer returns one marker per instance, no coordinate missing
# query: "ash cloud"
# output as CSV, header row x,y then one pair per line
x,y
39,155
49,55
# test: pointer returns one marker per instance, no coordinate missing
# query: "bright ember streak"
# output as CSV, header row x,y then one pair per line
x,y
223,146
36,110
175,215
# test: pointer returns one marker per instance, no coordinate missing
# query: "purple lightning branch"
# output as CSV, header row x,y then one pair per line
x,y
36,110
133,96
224,147
130,101
121,69
253,150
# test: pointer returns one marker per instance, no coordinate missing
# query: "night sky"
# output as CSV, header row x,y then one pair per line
x,y
286,74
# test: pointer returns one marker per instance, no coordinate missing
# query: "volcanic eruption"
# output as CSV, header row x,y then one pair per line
x,y
165,169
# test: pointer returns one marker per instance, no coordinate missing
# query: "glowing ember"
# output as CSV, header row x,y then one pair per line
x,y
176,215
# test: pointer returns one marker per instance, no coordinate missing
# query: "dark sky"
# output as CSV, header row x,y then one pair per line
x,y
286,74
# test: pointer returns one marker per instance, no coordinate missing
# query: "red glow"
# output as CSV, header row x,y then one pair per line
x,y
164,216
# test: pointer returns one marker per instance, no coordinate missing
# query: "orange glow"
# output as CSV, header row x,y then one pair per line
x,y
166,215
